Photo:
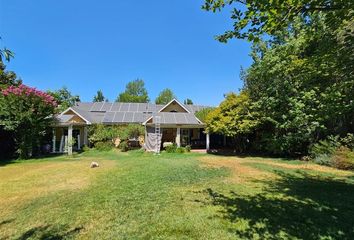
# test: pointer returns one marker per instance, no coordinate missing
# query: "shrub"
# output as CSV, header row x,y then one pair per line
x,y
323,159
325,147
180,150
124,146
348,141
85,148
343,158
171,148
104,146
188,148
165,144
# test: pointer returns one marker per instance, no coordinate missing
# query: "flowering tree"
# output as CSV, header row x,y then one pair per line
x,y
27,112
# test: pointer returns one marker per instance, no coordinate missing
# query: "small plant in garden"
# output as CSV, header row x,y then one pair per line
x,y
104,146
180,150
171,148
124,146
188,148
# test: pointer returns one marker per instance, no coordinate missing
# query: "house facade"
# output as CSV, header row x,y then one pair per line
x,y
173,122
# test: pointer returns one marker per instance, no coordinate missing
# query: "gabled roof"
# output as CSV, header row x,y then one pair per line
x,y
174,101
121,113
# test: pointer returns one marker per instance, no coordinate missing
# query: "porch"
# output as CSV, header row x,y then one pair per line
x,y
69,138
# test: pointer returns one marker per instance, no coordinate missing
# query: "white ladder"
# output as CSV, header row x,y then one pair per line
x,y
157,122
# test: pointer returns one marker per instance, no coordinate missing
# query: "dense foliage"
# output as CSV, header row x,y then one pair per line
x,y
300,87
188,101
64,98
255,18
135,91
165,96
99,97
101,134
27,112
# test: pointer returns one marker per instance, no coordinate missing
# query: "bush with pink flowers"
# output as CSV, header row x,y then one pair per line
x,y
28,112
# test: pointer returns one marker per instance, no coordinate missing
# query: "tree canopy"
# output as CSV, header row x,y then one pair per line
x,y
165,96
188,101
64,98
99,97
300,86
135,91
256,18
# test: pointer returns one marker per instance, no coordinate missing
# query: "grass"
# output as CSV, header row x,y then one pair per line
x,y
174,196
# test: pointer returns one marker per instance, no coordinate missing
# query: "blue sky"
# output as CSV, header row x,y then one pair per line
x,y
89,45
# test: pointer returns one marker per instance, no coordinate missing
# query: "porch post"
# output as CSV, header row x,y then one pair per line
x,y
85,136
207,142
54,140
178,137
70,140
78,142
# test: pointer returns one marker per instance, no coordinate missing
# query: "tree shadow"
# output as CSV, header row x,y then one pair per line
x,y
304,207
48,232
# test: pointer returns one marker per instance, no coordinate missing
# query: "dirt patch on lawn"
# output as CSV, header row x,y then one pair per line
x,y
240,172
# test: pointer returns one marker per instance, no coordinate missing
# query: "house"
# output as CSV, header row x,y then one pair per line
x,y
173,122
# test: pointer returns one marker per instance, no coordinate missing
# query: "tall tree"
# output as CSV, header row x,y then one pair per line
x,y
188,101
64,98
135,91
28,113
165,96
99,97
7,78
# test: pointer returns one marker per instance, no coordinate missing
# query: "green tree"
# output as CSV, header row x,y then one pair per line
x,y
165,96
135,91
202,114
233,117
64,98
188,101
8,78
99,97
303,86
254,18
28,113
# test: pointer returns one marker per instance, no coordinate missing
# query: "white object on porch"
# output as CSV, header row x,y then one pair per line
x,y
78,142
70,140
65,144
54,141
61,144
207,142
85,136
178,137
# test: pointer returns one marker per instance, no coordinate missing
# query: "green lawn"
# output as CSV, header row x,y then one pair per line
x,y
188,196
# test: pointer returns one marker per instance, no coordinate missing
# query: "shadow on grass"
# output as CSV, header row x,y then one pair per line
x,y
49,233
5,162
234,153
295,207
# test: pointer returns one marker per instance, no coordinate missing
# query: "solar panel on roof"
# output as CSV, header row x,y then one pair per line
x,y
138,117
115,107
128,117
96,107
124,107
133,107
106,106
108,117
142,107
118,117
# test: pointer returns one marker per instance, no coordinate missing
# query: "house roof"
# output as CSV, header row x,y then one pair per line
x,y
119,113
